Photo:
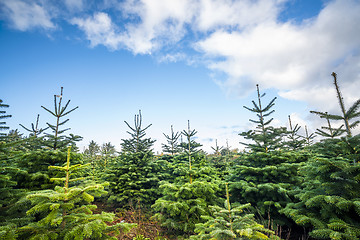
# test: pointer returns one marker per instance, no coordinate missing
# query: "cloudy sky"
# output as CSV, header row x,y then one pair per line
x,y
178,60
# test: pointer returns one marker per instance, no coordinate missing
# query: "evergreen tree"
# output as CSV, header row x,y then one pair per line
x,y
227,223
328,202
295,140
66,212
347,115
191,146
217,149
172,139
135,177
331,132
3,116
266,181
266,137
107,153
308,137
56,140
35,131
137,143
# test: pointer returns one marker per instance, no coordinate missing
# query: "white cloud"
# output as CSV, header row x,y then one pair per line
x,y
74,4
296,59
99,29
25,15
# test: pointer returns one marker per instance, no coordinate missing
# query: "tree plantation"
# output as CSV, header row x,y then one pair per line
x,y
282,186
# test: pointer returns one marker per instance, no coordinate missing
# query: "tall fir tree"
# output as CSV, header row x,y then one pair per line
x,y
266,137
57,140
137,142
346,115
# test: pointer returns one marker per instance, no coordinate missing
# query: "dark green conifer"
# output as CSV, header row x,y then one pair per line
x,y
217,149
266,137
137,143
295,141
3,116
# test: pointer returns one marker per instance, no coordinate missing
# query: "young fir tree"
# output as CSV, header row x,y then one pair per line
x,y
66,212
34,141
172,147
266,181
57,140
266,137
135,177
295,141
35,131
309,137
228,223
328,203
217,149
137,143
108,152
3,116
346,115
191,146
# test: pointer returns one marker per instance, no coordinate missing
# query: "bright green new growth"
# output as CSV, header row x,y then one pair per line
x,y
228,223
66,213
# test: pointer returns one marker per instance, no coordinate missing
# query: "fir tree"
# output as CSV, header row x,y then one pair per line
x,y
308,137
137,143
66,212
347,115
266,137
3,116
295,140
331,132
172,139
135,177
191,145
328,203
56,140
227,223
35,131
217,149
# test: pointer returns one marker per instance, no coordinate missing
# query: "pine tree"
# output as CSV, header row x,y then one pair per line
x,y
56,140
347,115
332,132
66,212
227,223
266,137
137,143
172,139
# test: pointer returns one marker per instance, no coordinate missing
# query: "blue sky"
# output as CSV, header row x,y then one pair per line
x,y
179,60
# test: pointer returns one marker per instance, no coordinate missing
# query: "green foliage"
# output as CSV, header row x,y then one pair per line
x,y
182,205
328,200
191,146
266,137
264,180
295,141
226,223
66,212
135,177
137,143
